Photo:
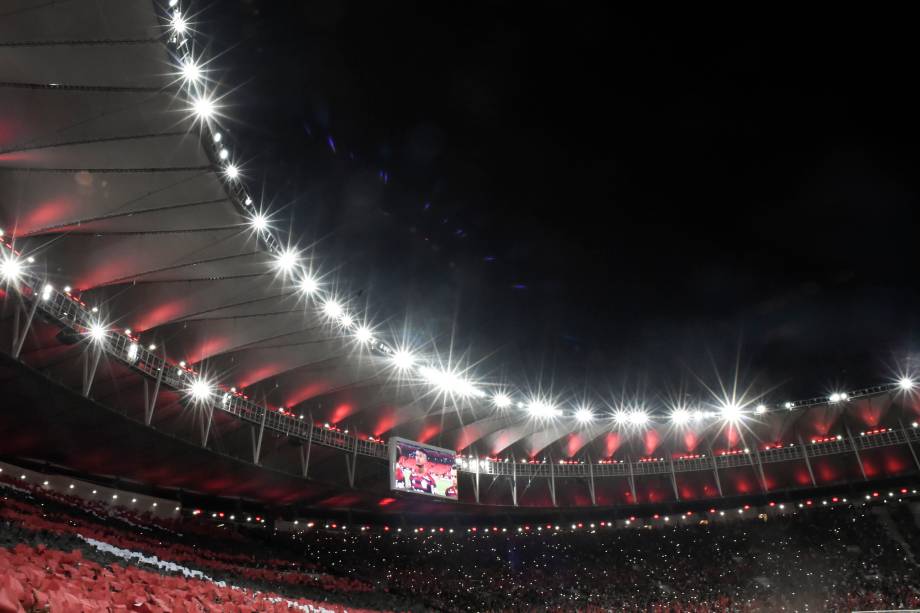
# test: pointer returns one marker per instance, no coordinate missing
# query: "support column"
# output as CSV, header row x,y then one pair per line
x,y
632,480
856,452
476,478
206,429
552,480
21,332
514,497
90,364
305,452
591,482
352,464
674,479
715,472
755,463
811,473
760,472
910,445
150,401
257,442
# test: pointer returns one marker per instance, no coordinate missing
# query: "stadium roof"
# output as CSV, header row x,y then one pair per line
x,y
119,191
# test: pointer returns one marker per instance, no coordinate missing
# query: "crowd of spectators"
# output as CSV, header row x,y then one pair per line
x,y
839,558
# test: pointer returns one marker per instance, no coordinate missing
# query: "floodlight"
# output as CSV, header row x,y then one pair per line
x,y
258,222
200,389
761,409
96,332
906,383
584,415
286,260
449,382
178,23
308,284
332,309
680,417
731,412
10,268
501,400
402,359
364,335
231,171
203,107
190,71
637,417
541,409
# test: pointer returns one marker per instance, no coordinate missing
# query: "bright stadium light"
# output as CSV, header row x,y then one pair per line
x,y
259,222
346,320
638,417
308,284
837,397
11,268
761,409
906,383
200,389
680,417
190,70
96,332
333,309
178,23
203,107
231,171
501,400
731,412
286,260
584,415
364,335
402,359
449,382
620,417
542,409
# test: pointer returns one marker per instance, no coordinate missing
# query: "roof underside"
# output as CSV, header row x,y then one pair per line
x,y
105,181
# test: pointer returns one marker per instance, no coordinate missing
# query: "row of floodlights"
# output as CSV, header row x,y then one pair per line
x,y
446,381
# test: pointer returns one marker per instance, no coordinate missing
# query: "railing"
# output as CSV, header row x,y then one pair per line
x,y
73,316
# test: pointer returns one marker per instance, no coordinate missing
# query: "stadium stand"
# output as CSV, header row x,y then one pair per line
x,y
66,553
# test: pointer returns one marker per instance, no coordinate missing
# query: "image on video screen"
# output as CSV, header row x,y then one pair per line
x,y
421,469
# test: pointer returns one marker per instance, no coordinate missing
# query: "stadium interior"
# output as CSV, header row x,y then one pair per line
x,y
193,420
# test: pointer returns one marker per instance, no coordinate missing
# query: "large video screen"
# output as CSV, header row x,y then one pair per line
x,y
423,469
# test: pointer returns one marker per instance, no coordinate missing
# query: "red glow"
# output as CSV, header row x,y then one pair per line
x,y
48,213
386,501
341,412
385,422
574,444
611,443
305,392
870,413
691,440
732,436
651,440
159,315
429,432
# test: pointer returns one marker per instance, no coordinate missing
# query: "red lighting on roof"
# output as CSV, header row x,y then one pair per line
x,y
386,501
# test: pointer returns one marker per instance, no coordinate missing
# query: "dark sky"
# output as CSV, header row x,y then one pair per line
x,y
591,197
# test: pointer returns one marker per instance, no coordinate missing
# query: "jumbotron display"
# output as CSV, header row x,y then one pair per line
x,y
423,469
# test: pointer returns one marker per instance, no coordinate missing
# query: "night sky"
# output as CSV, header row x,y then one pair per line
x,y
594,200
